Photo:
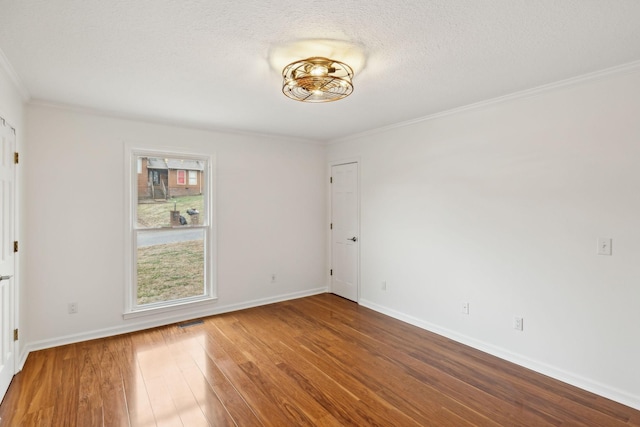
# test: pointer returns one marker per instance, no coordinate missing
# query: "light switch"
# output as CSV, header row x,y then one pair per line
x,y
604,246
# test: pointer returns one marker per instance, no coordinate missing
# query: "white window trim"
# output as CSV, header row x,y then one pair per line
x,y
131,309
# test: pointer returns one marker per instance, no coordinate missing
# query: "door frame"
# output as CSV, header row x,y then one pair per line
x,y
328,240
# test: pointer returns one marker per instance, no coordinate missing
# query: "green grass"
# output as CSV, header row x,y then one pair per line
x,y
157,214
170,271
175,270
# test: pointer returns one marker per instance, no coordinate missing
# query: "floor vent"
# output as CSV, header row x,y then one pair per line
x,y
191,323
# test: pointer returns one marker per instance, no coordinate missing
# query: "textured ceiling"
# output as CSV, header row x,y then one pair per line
x,y
211,64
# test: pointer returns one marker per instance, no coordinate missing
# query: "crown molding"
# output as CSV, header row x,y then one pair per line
x,y
15,78
628,68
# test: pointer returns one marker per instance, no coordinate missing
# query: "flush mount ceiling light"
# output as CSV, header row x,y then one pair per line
x,y
317,79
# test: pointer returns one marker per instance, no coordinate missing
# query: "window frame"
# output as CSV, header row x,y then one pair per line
x,y
207,223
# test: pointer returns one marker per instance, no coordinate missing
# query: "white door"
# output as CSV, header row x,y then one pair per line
x,y
344,231
7,291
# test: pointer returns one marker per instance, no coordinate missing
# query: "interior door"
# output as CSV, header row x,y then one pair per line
x,y
7,289
345,245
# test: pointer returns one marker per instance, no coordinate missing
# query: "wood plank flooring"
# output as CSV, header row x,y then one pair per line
x,y
316,361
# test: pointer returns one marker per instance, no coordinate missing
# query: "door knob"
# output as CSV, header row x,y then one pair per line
x,y
5,278
353,239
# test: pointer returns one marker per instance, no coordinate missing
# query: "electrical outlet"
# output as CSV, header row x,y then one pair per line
x,y
518,323
383,285
72,307
464,308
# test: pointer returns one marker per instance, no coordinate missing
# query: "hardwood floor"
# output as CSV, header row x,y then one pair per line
x,y
319,360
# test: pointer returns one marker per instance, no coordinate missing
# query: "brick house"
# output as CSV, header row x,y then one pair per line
x,y
165,178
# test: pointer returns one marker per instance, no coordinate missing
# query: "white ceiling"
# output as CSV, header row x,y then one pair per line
x,y
209,63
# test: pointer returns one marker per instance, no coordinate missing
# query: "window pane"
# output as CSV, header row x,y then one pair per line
x,y
170,265
181,179
162,201
193,177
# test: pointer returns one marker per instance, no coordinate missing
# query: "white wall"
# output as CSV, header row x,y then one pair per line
x,y
11,102
501,206
12,110
270,219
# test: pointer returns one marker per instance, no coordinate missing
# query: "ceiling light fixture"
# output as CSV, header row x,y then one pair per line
x,y
317,79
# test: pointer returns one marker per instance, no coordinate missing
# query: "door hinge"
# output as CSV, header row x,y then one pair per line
x,y
331,226
15,335
330,180
331,272
15,246
16,157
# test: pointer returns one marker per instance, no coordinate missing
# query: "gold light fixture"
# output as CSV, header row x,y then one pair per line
x,y
317,79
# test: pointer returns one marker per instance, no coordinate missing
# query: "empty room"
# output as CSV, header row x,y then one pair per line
x,y
274,213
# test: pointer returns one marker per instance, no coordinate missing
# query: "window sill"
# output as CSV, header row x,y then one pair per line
x,y
168,308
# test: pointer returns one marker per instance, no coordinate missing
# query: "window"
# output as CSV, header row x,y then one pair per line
x,y
170,239
180,177
193,177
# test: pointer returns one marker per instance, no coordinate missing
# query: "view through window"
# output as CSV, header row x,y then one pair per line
x,y
171,230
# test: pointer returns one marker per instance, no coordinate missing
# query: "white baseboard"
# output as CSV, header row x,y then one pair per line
x,y
542,368
23,358
141,325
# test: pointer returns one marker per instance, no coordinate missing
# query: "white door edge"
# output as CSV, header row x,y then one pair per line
x,y
8,266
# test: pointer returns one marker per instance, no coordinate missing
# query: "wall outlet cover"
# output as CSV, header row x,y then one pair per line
x,y
518,323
